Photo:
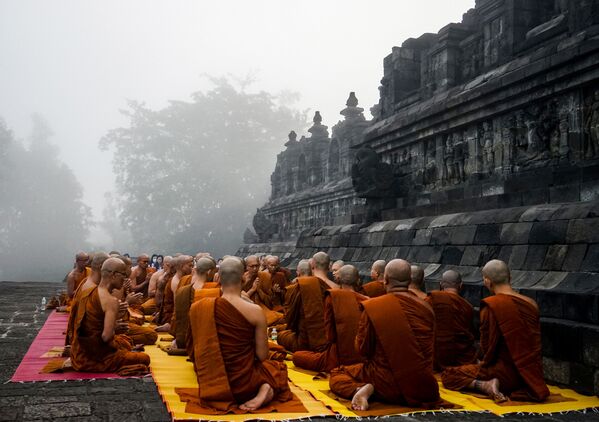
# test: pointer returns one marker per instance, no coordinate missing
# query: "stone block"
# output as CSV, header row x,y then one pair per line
x,y
487,234
583,231
473,255
526,279
515,233
539,213
590,173
505,252
551,280
422,236
367,254
510,200
535,257
536,196
462,235
554,260
589,191
550,304
574,257
440,235
348,255
562,340
572,211
422,222
354,240
556,371
580,307
365,239
376,239
566,193
591,259
518,257
590,341
582,378
579,283
548,232
452,255
356,256
425,254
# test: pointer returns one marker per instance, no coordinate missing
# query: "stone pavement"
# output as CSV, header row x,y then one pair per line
x,y
111,400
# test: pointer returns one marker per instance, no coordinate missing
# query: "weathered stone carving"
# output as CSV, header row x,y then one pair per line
x,y
371,178
592,125
488,148
264,228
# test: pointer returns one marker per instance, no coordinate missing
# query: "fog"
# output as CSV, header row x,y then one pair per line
x,y
76,65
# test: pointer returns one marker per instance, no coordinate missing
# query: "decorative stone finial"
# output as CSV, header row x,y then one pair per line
x,y
292,138
317,118
318,131
352,101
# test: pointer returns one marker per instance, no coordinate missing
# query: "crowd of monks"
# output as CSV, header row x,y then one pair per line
x,y
239,319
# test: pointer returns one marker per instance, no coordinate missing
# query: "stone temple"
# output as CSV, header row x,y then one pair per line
x,y
484,144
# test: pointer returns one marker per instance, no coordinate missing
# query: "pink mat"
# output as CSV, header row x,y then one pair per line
x,y
51,335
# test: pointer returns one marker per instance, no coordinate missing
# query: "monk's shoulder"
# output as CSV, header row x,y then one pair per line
x,y
252,312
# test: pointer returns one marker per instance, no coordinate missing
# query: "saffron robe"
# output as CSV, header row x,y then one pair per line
x,y
224,357
454,337
184,282
167,306
186,296
278,298
396,337
341,315
263,297
374,289
89,353
304,312
510,341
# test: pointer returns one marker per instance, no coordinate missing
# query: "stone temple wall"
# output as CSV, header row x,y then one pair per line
x,y
484,144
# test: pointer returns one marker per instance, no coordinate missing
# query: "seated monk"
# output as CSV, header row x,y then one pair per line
x,y
76,276
150,306
140,279
278,281
377,286
258,286
304,312
96,323
395,336
320,264
454,337
341,317
335,267
417,284
510,341
165,309
183,264
187,295
92,281
230,349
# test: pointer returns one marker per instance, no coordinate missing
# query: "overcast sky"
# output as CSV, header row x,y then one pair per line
x,y
77,62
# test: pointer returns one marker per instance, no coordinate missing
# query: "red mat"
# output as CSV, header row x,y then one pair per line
x,y
50,336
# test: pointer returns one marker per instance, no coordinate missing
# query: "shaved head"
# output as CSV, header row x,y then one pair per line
x,y
80,256
303,268
417,276
349,276
321,261
204,265
98,260
377,272
497,271
451,280
113,264
398,273
231,271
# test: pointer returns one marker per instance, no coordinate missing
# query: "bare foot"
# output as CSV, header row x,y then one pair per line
x,y
491,389
360,399
264,396
163,328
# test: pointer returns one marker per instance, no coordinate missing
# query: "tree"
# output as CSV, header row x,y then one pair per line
x,y
44,221
191,175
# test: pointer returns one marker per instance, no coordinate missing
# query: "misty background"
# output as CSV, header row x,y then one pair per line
x,y
148,126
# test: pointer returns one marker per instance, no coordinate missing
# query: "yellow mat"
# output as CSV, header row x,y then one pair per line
x,y
170,372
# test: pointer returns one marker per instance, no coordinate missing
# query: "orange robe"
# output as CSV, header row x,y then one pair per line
x,y
304,311
225,358
167,307
395,336
278,298
341,315
454,337
374,289
264,297
89,353
510,341
186,296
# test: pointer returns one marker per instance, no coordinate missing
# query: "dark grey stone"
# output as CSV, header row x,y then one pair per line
x,y
574,257
487,234
556,254
452,255
583,231
515,233
518,256
535,257
548,232
591,260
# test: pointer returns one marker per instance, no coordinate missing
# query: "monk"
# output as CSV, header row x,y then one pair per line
x,y
78,273
200,287
96,323
150,306
278,281
90,282
320,264
454,337
395,337
341,314
139,275
335,267
166,308
510,341
304,311
417,283
376,287
259,287
230,349
183,265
